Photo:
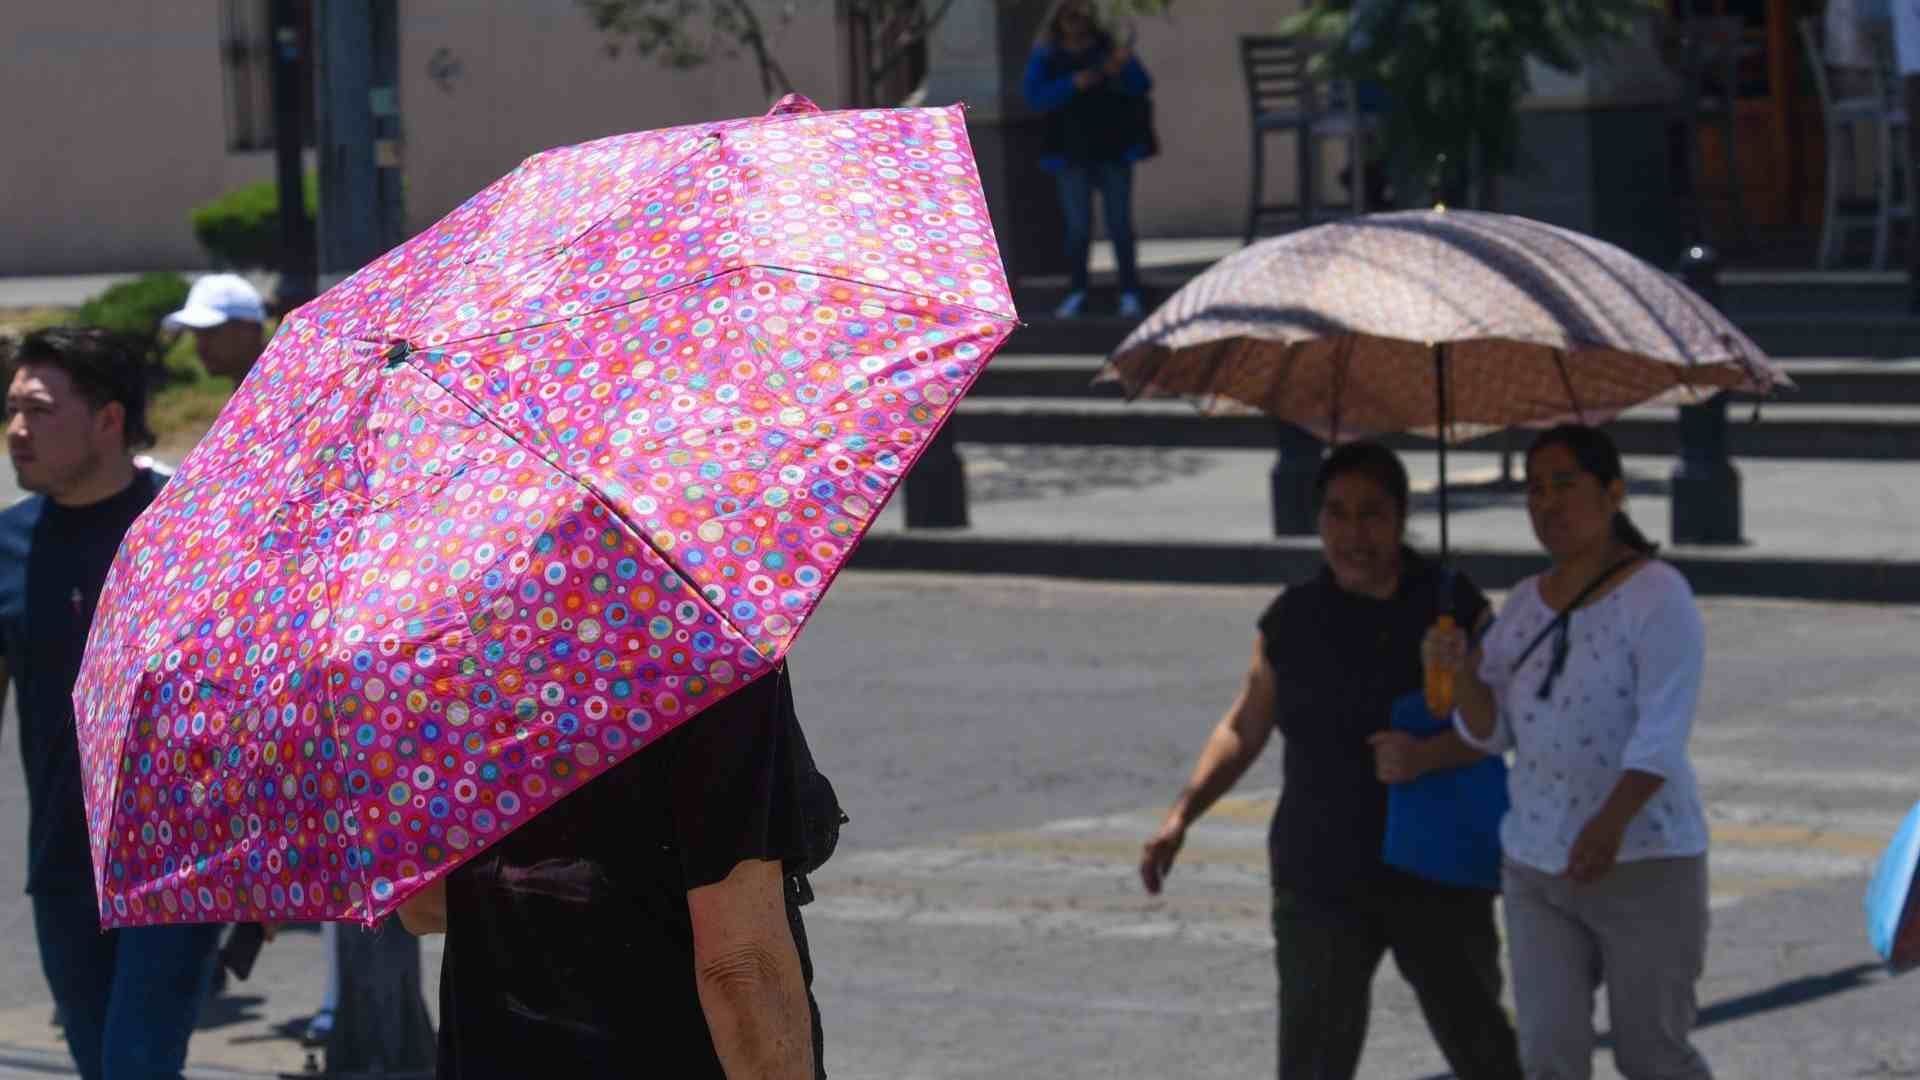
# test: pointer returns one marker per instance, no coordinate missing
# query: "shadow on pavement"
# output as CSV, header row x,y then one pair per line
x,y
228,1010
1786,995
1789,994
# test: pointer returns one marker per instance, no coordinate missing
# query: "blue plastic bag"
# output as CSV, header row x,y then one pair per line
x,y
1890,898
1445,826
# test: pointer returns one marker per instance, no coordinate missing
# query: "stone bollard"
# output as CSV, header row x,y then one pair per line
x,y
1292,481
937,486
1705,488
1705,491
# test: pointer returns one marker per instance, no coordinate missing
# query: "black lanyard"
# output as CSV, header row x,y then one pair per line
x,y
1562,622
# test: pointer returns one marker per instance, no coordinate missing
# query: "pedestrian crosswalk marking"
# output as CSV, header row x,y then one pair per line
x,y
1079,875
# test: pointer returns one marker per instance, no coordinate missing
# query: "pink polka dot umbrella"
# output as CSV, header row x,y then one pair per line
x,y
521,496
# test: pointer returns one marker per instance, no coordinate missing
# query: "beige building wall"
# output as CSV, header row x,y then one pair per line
x,y
1199,183
113,128
484,83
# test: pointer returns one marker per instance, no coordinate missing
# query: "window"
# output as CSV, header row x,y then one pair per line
x,y
248,41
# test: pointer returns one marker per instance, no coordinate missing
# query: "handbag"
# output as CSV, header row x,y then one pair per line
x,y
1892,903
1445,826
1148,139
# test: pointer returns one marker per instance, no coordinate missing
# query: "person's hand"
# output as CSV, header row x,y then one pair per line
x,y
270,930
1117,61
425,912
1596,849
1086,78
1445,648
1396,757
1156,859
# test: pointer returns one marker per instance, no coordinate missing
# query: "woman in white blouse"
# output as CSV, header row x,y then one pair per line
x,y
1590,676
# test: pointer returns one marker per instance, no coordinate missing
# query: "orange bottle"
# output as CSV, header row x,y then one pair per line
x,y
1439,682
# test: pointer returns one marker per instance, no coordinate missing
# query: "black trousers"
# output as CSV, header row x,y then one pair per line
x,y
1443,941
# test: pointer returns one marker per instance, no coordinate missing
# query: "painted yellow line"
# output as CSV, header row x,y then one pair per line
x,y
1798,838
1725,886
1256,810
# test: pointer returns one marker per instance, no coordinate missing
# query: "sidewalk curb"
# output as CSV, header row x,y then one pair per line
x,y
1199,563
1081,423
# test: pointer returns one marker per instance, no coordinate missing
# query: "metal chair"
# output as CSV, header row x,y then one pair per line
x,y
1852,98
1283,97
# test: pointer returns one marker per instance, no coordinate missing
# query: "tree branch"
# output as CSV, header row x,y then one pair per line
x,y
752,34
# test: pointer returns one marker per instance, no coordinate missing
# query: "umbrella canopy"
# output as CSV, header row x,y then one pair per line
x,y
1338,329
521,496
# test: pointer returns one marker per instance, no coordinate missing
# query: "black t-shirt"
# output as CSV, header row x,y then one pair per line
x,y
569,949
53,562
1341,659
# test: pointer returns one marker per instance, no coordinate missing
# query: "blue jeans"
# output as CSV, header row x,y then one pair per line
x,y
1114,181
128,998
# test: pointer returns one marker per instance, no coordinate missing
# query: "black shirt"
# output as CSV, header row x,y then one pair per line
x,y
569,948
1341,659
53,561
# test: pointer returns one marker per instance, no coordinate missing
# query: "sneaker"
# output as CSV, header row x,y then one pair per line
x,y
1070,307
318,1028
1130,305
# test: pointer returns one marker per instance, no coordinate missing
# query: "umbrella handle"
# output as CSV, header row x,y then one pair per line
x,y
1440,400
1439,681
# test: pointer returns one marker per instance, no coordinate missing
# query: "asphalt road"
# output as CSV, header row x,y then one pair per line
x,y
1003,746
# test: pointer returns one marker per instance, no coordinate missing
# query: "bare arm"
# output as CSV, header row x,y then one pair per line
x,y
1233,747
425,912
1598,846
748,972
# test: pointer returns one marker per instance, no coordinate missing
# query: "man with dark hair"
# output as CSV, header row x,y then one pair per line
x,y
76,412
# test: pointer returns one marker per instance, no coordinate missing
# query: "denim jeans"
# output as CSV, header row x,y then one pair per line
x,y
1114,181
128,998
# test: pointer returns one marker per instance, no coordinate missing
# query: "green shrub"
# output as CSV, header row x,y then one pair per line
x,y
180,363
241,229
135,307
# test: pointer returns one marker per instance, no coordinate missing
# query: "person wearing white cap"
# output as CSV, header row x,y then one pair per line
x,y
227,318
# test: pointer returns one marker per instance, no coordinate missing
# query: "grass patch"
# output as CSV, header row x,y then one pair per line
x,y
182,413
27,320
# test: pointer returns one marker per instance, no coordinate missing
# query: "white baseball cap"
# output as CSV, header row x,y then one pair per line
x,y
215,299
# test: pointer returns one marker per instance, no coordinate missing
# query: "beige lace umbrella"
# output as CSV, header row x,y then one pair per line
x,y
1445,323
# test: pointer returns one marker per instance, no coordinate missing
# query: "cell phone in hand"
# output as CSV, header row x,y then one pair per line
x,y
242,949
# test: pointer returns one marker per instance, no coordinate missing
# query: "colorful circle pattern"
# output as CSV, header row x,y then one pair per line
x,y
398,600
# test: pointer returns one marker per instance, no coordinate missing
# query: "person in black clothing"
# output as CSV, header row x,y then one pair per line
x,y
76,411
646,924
1331,656
1094,94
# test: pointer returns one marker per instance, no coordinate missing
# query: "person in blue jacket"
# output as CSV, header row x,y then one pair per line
x,y
1093,93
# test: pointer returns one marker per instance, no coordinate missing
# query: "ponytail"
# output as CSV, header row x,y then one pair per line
x,y
1625,531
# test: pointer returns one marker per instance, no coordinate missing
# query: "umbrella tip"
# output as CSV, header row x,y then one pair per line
x,y
398,354
793,105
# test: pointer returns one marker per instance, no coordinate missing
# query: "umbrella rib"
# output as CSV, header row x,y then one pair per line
x,y
715,276
1566,379
333,722
633,527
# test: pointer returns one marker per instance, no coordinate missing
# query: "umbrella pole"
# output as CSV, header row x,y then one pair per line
x,y
1440,395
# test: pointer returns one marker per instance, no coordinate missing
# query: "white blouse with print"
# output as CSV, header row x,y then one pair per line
x,y
1625,700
